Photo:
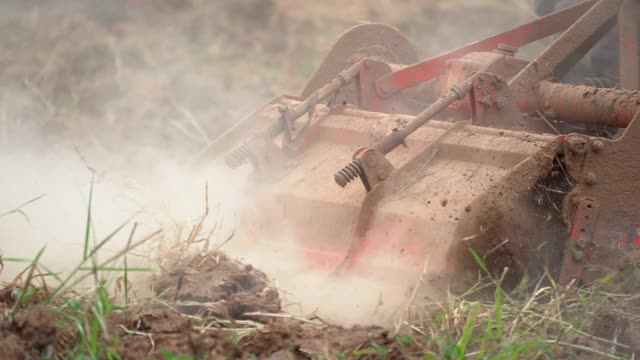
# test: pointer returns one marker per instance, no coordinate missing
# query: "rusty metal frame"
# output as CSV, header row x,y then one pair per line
x,y
568,49
426,70
579,247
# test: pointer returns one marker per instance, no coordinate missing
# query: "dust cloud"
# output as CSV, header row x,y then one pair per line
x,y
129,94
171,197
167,197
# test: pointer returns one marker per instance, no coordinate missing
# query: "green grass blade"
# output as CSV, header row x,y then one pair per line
x,y
48,271
499,323
94,337
467,333
27,283
102,243
87,230
479,261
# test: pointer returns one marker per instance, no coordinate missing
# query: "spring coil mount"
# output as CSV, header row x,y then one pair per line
x,y
354,169
238,156
349,173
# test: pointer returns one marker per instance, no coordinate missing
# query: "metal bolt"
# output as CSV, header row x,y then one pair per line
x,y
507,49
597,146
372,160
382,174
590,178
577,144
580,243
577,255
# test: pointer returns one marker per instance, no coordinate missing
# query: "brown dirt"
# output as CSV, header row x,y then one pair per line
x,y
281,339
31,334
229,288
225,288
614,323
286,339
170,331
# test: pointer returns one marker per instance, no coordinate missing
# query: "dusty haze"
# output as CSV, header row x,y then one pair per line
x,y
134,92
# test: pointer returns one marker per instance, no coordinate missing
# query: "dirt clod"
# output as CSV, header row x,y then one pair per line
x,y
219,286
31,334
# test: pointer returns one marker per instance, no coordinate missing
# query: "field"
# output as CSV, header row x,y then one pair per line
x,y
115,246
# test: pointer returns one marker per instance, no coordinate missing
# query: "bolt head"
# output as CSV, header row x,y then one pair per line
x,y
597,145
580,243
382,175
577,255
512,50
577,144
590,179
372,160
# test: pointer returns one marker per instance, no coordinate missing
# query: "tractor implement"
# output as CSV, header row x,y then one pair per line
x,y
475,148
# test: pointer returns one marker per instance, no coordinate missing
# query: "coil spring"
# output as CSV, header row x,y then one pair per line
x,y
388,143
238,156
349,173
354,169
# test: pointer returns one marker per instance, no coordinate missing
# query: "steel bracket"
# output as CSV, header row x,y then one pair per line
x,y
375,167
579,247
576,147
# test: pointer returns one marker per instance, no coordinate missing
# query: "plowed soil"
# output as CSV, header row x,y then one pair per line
x,y
224,289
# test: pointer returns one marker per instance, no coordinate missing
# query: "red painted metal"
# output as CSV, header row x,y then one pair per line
x,y
520,36
578,248
557,59
370,70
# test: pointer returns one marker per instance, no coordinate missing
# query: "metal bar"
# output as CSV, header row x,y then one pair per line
x,y
385,145
240,155
567,50
433,67
629,43
586,104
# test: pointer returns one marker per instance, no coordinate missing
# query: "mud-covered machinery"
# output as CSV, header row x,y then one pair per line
x,y
473,148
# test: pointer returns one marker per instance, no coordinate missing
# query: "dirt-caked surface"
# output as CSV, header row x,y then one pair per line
x,y
30,334
203,291
171,332
219,286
